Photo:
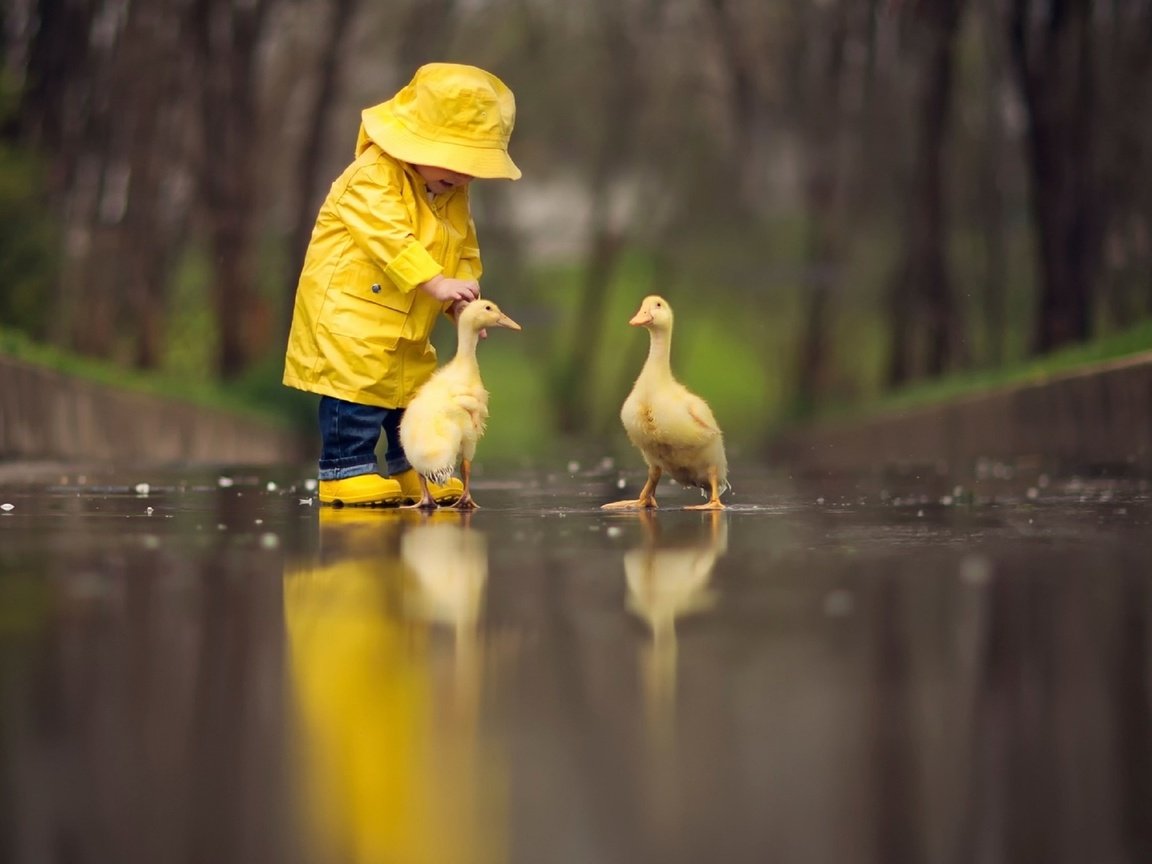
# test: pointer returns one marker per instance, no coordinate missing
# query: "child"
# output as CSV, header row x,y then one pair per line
x,y
394,246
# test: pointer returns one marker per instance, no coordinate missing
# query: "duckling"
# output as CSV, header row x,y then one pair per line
x,y
446,418
673,428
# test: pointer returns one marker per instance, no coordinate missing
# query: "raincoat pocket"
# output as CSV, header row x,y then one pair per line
x,y
367,306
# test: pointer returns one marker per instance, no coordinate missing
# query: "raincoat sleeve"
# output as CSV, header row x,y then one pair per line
x,y
373,209
470,266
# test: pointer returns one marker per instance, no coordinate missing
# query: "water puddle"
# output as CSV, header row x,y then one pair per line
x,y
209,665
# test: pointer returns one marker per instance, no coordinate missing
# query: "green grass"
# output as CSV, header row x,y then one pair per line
x,y
234,400
1115,346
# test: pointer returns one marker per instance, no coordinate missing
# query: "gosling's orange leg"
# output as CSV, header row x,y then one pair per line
x,y
714,500
647,499
426,502
465,502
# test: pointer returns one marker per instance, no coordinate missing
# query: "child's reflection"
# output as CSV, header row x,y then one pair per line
x,y
390,766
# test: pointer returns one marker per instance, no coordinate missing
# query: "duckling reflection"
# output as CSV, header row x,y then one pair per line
x,y
447,569
667,582
386,772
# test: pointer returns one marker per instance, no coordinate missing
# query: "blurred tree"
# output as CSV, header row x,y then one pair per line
x,y
102,99
731,23
926,331
147,145
27,236
226,39
1125,157
820,71
618,92
991,181
1053,55
68,45
58,53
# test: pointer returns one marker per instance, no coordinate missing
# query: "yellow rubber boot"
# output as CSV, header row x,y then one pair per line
x,y
363,489
409,481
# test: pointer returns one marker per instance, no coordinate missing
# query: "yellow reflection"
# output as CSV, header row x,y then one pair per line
x,y
447,568
390,767
668,579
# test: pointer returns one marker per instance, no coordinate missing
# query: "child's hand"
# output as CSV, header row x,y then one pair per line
x,y
446,288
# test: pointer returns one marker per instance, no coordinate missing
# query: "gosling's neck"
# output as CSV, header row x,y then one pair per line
x,y
467,339
659,362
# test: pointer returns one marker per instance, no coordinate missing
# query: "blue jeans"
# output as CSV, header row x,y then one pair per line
x,y
349,433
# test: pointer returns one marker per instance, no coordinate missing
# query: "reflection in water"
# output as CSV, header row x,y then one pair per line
x,y
391,769
667,581
875,684
447,568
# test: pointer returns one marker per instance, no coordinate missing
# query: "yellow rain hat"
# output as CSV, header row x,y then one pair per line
x,y
448,116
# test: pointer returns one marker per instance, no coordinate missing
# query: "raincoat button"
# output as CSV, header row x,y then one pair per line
x,y
376,288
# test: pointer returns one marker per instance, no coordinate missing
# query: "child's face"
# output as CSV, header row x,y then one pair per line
x,y
441,180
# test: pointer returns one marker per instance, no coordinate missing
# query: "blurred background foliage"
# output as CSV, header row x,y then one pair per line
x,y
844,200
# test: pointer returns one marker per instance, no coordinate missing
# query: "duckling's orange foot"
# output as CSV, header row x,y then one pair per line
x,y
465,504
638,504
441,493
425,502
711,505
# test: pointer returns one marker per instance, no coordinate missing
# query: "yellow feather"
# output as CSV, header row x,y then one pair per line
x,y
446,419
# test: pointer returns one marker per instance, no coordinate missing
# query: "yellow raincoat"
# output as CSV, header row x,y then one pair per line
x,y
360,327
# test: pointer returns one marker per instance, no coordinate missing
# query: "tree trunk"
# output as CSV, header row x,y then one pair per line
x,y
944,328
991,181
1053,64
1124,80
228,37
744,109
926,331
620,92
151,127
577,377
59,116
822,112
58,60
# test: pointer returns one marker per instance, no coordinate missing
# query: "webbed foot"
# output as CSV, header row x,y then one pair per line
x,y
638,504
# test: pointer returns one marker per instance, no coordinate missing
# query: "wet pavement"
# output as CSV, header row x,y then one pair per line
x,y
208,667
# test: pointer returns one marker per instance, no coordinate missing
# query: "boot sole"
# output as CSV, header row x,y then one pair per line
x,y
447,499
340,502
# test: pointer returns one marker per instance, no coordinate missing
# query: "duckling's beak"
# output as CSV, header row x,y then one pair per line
x,y
505,321
641,319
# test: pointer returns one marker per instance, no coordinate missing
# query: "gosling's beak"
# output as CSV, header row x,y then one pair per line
x,y
641,319
505,321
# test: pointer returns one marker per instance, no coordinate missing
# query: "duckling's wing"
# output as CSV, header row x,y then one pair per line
x,y
699,411
687,420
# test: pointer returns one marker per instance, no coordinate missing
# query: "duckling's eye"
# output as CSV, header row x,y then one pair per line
x,y
488,307
657,305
